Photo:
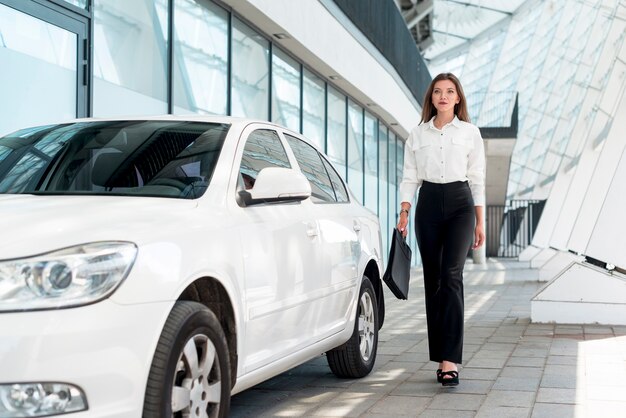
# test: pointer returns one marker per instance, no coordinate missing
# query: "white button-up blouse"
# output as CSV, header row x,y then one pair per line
x,y
454,153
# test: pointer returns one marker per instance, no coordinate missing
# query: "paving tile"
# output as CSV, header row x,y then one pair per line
x,y
561,370
487,354
400,405
478,387
410,388
559,395
514,371
517,383
502,412
347,404
526,362
440,413
521,351
552,410
556,381
479,373
488,363
457,401
510,398
563,360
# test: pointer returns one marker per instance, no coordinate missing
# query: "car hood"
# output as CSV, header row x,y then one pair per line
x,y
35,224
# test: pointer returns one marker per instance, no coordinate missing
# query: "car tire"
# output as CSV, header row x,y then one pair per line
x,y
355,358
190,371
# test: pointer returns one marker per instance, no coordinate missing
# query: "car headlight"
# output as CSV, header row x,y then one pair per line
x,y
70,277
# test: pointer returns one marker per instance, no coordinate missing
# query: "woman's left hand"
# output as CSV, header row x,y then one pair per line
x,y
479,236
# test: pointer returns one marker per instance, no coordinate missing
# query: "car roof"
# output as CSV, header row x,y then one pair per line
x,y
231,120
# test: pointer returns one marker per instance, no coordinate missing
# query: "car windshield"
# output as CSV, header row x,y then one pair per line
x,y
146,158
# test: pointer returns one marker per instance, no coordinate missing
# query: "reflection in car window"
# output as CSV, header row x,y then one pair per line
x,y
313,168
263,149
148,158
340,188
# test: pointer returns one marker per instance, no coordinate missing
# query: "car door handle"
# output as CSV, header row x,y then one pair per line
x,y
311,230
356,226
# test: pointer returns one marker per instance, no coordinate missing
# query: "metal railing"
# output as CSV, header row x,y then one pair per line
x,y
510,228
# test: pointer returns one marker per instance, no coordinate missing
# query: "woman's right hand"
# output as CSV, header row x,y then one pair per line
x,y
403,222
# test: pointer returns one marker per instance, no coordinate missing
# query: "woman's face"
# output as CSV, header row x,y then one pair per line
x,y
445,96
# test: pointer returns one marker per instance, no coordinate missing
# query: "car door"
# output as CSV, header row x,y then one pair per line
x,y
278,244
338,247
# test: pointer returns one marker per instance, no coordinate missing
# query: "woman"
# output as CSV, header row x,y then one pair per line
x,y
444,156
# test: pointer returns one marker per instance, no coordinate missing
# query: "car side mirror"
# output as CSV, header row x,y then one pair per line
x,y
277,184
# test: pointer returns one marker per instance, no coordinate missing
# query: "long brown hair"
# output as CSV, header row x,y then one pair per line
x,y
460,109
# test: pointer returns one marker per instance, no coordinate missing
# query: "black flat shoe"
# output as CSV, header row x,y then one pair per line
x,y
453,380
438,376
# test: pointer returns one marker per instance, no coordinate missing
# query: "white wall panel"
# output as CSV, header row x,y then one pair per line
x,y
559,192
605,172
608,240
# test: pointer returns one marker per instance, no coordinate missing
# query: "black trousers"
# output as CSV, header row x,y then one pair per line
x,y
444,227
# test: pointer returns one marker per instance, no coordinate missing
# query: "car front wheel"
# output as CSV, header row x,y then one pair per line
x,y
356,357
190,373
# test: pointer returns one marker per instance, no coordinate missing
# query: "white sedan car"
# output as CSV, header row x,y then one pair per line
x,y
153,267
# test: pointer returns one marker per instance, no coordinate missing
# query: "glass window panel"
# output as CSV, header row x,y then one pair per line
x,y
399,164
355,150
312,167
148,158
392,181
38,62
80,3
313,109
383,186
285,91
250,73
336,142
130,58
263,149
200,58
371,163
340,189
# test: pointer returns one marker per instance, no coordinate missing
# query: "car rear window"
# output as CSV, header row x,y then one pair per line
x,y
147,158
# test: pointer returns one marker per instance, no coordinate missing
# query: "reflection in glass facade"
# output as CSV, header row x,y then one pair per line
x,y
355,150
38,68
371,163
313,109
383,184
336,130
549,54
250,72
130,58
285,91
201,58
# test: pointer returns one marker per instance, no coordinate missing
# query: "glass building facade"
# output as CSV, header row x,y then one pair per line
x,y
546,52
155,57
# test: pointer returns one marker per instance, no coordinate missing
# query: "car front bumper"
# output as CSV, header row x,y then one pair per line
x,y
105,349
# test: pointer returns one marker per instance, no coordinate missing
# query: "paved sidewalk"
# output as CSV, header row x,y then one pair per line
x,y
511,368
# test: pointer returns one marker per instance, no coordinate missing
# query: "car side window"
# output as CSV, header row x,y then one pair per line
x,y
263,149
340,188
313,169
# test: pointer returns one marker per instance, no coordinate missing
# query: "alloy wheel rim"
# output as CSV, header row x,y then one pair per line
x,y
366,326
197,380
